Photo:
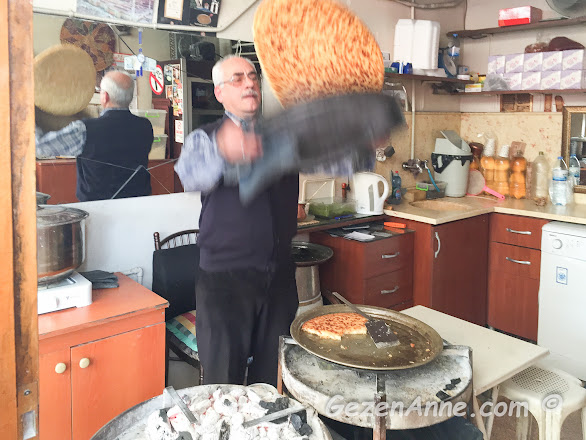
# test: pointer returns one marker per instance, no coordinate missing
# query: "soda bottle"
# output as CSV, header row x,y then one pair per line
x,y
396,186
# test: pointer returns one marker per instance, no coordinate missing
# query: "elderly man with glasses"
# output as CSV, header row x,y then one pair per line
x,y
246,295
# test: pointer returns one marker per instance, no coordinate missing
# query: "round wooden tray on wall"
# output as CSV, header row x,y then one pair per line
x,y
97,39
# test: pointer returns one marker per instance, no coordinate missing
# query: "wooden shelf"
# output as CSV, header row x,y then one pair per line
x,y
518,92
402,76
482,33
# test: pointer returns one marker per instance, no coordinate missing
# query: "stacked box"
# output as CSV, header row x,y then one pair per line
x,y
514,63
531,81
551,61
573,79
551,80
496,64
573,60
514,80
532,62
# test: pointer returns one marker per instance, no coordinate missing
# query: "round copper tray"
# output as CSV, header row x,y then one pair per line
x,y
419,345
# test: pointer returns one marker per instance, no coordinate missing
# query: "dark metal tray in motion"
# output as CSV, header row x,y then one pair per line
x,y
419,343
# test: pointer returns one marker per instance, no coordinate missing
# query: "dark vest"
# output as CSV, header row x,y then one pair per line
x,y
234,236
119,138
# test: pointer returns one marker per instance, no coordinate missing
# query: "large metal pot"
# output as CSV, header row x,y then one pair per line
x,y
60,241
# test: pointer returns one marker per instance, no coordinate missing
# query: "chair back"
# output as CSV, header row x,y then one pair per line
x,y
175,270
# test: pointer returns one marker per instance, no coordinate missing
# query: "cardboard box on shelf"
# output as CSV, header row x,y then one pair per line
x,y
532,62
514,62
531,81
551,61
519,15
496,64
573,79
513,80
551,80
574,59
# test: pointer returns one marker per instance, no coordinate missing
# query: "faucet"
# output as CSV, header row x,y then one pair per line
x,y
416,166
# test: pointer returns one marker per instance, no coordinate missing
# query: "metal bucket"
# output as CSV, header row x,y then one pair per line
x,y
307,257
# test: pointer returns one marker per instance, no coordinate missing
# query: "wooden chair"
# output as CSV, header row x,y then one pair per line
x,y
175,268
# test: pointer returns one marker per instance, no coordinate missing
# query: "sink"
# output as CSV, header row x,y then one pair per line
x,y
440,205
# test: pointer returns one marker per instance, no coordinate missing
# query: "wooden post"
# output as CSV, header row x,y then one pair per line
x,y
18,274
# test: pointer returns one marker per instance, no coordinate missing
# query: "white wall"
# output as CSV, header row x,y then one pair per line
x,y
119,233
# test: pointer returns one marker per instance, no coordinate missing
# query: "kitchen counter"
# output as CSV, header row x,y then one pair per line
x,y
459,208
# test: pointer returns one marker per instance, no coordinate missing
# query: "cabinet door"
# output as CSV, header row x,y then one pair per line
x,y
123,370
55,396
459,274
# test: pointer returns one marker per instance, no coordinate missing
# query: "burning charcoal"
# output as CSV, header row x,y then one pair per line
x,y
441,395
449,386
305,430
224,431
456,381
163,415
184,436
296,422
227,402
278,405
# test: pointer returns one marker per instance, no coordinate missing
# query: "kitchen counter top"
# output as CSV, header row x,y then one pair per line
x,y
459,208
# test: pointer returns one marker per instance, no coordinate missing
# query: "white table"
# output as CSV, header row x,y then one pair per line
x,y
495,357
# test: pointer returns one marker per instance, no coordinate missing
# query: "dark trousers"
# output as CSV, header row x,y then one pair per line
x,y
242,313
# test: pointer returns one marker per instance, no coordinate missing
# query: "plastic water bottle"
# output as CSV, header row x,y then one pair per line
x,y
574,170
454,46
558,191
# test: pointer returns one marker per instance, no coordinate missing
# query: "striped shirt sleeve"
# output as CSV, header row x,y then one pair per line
x,y
68,141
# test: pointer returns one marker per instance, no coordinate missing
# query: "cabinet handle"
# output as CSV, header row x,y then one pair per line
x,y
60,368
528,263
519,232
439,244
386,292
84,363
383,256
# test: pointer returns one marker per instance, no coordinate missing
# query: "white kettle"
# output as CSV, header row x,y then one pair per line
x,y
366,193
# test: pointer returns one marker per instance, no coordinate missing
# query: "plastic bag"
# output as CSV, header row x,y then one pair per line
x,y
495,82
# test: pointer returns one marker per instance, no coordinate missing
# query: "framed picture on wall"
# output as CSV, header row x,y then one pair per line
x,y
200,13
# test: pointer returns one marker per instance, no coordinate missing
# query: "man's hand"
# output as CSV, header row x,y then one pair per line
x,y
237,146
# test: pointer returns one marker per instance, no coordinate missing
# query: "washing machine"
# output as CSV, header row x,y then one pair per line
x,y
562,296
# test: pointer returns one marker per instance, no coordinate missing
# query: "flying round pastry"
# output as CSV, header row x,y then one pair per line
x,y
65,80
311,49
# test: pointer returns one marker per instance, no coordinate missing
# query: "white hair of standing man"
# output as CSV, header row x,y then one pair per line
x,y
120,87
218,72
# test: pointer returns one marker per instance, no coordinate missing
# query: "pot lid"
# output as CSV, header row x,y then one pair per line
x,y
49,215
310,254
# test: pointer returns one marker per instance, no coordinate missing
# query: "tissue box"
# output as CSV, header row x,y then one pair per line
x,y
532,62
471,88
551,80
531,81
513,80
573,60
573,79
514,62
519,15
496,64
551,61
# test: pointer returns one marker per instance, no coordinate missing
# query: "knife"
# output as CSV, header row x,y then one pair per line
x,y
273,416
181,404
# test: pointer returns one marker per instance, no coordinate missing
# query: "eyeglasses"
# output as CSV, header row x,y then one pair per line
x,y
238,78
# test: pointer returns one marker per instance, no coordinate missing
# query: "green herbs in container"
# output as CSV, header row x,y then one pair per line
x,y
331,207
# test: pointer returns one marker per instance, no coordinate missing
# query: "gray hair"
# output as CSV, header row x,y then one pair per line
x,y
120,87
218,71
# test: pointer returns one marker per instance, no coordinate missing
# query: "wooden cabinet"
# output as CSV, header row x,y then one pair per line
x,y
97,361
377,273
514,266
58,178
450,267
